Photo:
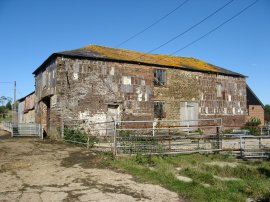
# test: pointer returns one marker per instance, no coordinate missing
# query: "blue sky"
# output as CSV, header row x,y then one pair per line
x,y
31,30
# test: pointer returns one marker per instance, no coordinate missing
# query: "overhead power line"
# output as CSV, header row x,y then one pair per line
x,y
189,29
216,28
153,24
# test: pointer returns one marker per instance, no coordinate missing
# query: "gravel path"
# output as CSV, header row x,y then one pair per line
x,y
34,170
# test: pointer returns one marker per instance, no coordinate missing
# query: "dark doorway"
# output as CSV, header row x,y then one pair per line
x,y
47,102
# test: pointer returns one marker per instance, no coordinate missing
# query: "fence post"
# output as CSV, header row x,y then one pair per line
x,y
260,146
11,127
41,132
218,138
241,148
114,140
188,127
153,127
87,143
62,129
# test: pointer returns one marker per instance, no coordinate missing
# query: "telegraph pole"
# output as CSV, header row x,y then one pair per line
x,y
14,105
14,94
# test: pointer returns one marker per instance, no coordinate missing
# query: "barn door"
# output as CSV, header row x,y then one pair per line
x,y
113,113
189,113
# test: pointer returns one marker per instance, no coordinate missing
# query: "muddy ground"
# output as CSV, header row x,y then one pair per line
x,y
36,170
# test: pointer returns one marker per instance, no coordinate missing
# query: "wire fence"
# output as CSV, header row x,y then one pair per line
x,y
153,136
103,132
157,137
168,137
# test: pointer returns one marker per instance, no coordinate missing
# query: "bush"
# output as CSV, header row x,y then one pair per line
x,y
252,125
77,136
253,122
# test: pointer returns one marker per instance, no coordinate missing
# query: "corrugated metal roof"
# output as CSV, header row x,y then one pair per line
x,y
102,52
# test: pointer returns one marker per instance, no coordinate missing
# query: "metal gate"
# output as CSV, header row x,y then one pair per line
x,y
24,129
255,146
167,136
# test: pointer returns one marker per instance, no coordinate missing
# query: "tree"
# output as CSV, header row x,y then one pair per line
x,y
5,106
4,100
252,125
8,105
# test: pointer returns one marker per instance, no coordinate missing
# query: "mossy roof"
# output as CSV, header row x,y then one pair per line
x,y
129,56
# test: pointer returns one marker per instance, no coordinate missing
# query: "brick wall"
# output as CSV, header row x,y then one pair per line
x,y
255,111
80,91
223,97
86,89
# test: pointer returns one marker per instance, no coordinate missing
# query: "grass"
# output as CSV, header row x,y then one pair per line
x,y
228,179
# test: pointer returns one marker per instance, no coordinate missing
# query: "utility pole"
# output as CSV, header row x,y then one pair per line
x,y
14,106
14,95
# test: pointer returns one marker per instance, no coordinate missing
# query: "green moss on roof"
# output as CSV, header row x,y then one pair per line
x,y
159,59
95,51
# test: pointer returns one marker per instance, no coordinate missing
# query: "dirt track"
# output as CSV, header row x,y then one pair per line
x,y
33,170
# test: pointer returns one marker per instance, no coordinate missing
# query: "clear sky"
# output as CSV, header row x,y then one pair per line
x,y
31,30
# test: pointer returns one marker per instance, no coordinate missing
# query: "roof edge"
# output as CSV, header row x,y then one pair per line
x,y
23,98
234,74
255,96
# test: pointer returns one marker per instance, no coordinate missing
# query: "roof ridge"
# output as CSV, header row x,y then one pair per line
x,y
134,56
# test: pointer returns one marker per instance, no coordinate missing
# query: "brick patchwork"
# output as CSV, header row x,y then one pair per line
x,y
84,90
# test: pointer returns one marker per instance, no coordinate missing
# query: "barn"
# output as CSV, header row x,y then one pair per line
x,y
98,84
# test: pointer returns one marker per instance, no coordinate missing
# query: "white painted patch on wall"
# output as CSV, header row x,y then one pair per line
x,y
145,97
240,92
225,110
143,82
114,87
76,67
229,98
75,76
140,94
112,71
233,110
83,115
202,96
126,80
98,118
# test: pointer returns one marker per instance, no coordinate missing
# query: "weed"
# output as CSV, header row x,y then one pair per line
x,y
77,136
253,178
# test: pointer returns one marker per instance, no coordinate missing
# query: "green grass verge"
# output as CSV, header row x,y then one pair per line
x,y
214,177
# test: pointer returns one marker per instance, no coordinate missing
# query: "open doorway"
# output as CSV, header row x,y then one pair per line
x,y
46,115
